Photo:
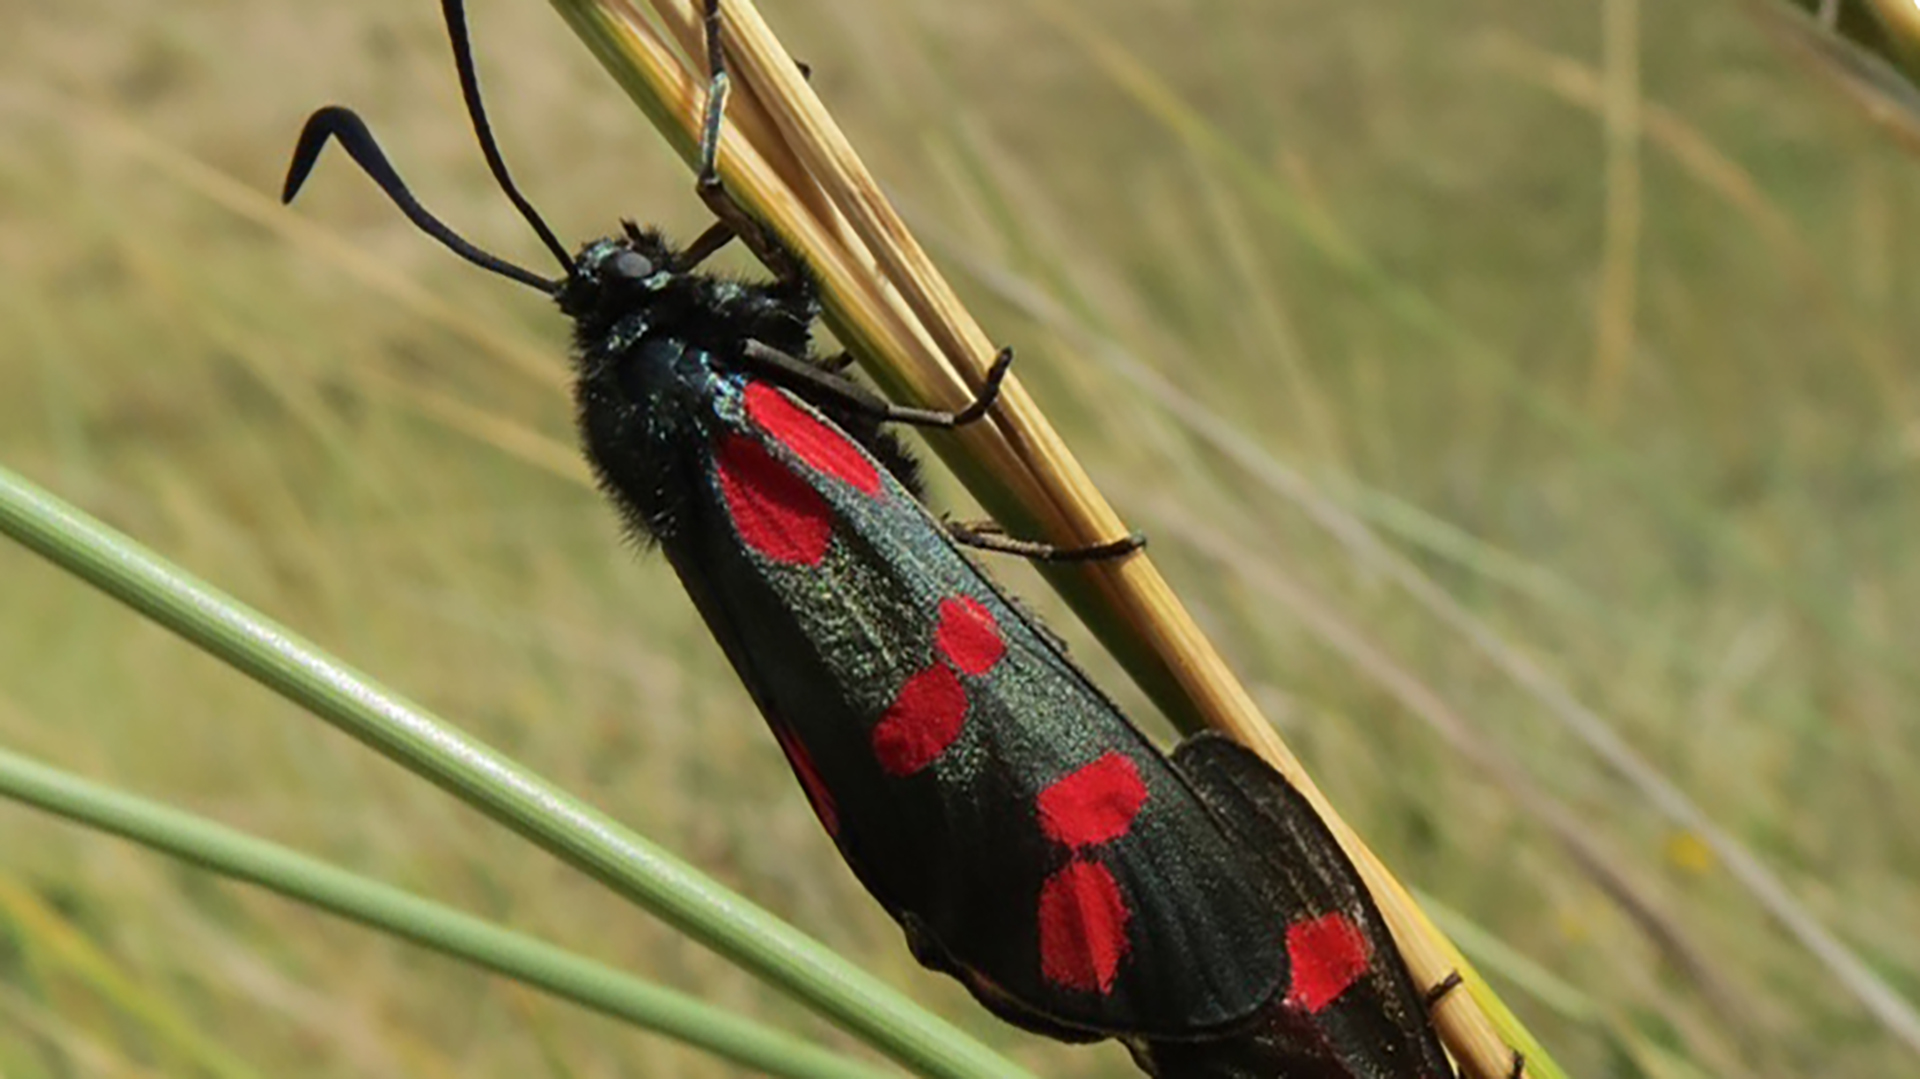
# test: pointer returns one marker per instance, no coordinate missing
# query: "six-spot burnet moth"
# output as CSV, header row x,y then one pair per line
x,y
1028,839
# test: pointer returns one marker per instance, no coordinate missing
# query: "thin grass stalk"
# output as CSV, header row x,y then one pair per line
x,y
454,934
407,734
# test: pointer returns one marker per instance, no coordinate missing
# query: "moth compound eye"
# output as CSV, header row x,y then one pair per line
x,y
629,266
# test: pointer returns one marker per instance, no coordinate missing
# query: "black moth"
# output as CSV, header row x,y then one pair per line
x,y
1028,839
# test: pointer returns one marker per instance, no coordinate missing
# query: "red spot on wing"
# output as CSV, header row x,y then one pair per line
x,y
1083,927
968,635
921,722
774,511
818,444
817,793
1326,954
1094,804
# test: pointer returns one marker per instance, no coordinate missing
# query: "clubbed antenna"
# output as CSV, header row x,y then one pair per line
x,y
346,127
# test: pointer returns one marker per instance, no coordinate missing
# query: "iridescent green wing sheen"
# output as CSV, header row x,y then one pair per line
x,y
1029,839
1350,1008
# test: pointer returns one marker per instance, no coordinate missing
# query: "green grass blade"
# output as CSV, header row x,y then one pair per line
x,y
587,840
431,925
48,951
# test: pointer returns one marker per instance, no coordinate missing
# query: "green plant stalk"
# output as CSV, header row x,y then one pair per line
x,y
582,837
432,925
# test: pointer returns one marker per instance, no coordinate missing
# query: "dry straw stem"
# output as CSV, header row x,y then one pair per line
x,y
785,159
1873,84
1901,20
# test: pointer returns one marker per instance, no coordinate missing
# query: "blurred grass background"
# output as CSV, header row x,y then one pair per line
x,y
1643,405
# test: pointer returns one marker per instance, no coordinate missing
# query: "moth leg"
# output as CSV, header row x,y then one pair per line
x,y
982,402
734,220
723,231
718,235
1447,985
823,381
989,536
837,362
800,374
857,398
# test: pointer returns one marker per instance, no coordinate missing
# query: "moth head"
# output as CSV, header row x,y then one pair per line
x,y
613,275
